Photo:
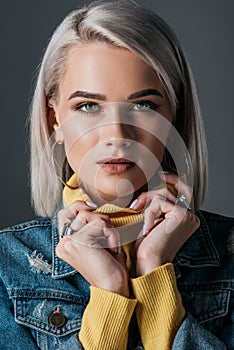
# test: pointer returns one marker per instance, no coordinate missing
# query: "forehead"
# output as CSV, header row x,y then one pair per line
x,y
101,67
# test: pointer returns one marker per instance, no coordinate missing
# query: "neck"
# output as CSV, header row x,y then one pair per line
x,y
101,198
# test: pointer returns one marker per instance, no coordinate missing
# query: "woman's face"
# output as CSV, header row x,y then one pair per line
x,y
106,112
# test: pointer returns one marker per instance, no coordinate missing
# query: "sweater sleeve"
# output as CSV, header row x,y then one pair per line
x,y
105,321
159,310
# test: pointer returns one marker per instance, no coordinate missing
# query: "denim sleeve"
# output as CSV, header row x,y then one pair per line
x,y
191,335
12,335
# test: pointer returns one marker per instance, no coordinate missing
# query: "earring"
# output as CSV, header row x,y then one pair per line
x,y
62,158
54,161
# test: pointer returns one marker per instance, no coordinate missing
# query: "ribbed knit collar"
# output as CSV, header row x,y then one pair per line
x,y
118,216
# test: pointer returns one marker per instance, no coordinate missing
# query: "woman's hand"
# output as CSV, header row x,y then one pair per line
x,y
93,249
166,228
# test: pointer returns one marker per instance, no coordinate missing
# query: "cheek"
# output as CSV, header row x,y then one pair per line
x,y
155,146
78,151
157,139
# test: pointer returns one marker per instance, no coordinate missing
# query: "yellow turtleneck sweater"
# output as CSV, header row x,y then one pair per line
x,y
158,304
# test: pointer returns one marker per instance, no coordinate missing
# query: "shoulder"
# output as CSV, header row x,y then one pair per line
x,y
28,225
25,233
204,269
31,226
217,223
221,230
24,244
215,217
212,244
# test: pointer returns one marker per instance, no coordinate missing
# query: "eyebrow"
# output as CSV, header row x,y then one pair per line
x,y
87,94
145,92
100,97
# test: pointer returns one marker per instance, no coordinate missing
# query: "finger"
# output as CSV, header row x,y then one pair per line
x,y
112,239
141,201
175,218
90,230
88,216
75,224
103,231
166,194
73,209
69,213
146,197
153,213
85,218
150,216
180,186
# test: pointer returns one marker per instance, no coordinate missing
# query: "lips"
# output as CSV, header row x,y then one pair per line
x,y
116,166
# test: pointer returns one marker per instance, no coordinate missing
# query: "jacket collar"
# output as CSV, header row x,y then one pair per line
x,y
198,251
60,268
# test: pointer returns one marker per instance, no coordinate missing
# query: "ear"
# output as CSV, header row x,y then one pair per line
x,y
54,126
58,133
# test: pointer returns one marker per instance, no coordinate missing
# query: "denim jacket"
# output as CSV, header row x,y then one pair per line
x,y
36,286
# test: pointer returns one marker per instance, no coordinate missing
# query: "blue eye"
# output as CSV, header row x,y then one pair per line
x,y
144,106
88,107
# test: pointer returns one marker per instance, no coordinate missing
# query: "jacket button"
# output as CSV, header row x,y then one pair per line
x,y
57,318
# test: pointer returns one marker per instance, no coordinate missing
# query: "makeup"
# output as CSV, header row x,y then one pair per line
x,y
116,166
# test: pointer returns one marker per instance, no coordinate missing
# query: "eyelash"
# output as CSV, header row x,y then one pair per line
x,y
151,106
85,104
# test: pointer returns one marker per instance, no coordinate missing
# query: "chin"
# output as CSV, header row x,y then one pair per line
x,y
117,190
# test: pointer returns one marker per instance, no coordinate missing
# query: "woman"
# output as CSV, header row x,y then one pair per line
x,y
124,259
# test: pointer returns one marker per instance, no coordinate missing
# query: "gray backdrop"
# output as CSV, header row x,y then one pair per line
x,y
206,29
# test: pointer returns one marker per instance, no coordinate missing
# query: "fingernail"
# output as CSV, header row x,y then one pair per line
x,y
133,204
91,204
144,230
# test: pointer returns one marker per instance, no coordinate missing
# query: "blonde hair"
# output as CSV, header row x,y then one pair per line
x,y
128,25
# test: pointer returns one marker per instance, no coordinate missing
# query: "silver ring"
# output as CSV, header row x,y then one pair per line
x,y
67,230
183,202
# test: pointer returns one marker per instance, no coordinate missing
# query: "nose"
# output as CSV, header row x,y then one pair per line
x,y
118,142
118,133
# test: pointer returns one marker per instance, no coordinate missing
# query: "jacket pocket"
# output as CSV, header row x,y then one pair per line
x,y
208,307
54,317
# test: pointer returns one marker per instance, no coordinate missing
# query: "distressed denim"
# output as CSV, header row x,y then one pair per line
x,y
35,282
